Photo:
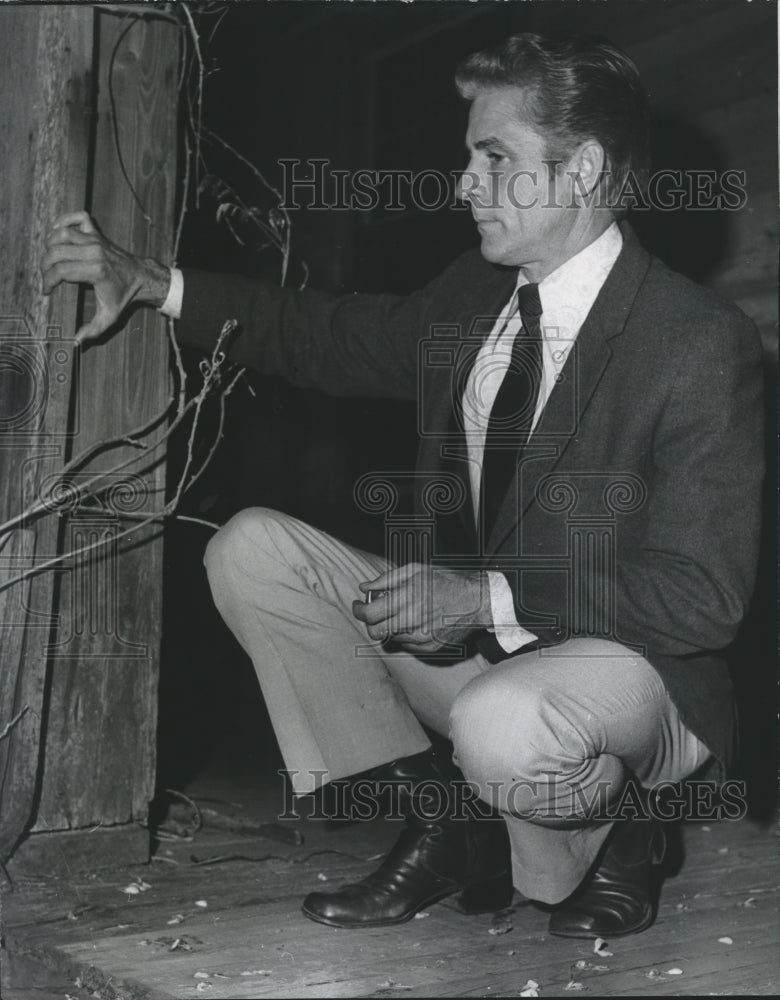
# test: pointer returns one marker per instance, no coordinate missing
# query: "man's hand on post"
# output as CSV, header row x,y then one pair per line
x,y
424,608
78,252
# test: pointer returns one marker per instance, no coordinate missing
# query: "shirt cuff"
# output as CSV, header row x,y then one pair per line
x,y
172,305
509,634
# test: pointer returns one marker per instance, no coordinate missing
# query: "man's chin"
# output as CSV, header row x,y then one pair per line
x,y
491,252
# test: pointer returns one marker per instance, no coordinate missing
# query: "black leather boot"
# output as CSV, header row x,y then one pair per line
x,y
620,896
436,855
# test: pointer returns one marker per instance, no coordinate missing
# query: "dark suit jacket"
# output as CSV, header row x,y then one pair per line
x,y
635,513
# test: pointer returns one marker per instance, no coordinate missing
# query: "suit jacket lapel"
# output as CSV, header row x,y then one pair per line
x,y
450,357
588,360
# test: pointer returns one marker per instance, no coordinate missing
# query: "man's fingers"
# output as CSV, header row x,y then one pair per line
x,y
82,271
380,616
404,608
374,618
81,219
104,318
68,261
64,253
419,648
372,613
360,611
71,236
393,578
379,584
389,616
90,331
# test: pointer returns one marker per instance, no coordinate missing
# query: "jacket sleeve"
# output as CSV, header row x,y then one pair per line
x,y
685,587
346,345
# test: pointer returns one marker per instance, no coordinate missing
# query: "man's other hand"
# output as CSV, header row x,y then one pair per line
x,y
424,608
77,251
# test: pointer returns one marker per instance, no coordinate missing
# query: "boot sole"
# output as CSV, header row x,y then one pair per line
x,y
485,906
607,935
388,922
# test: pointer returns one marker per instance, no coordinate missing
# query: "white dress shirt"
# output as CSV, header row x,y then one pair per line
x,y
172,305
567,296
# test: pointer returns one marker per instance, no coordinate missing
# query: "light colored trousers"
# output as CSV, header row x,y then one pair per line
x,y
586,714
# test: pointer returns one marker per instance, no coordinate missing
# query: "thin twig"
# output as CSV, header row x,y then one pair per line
x,y
179,365
146,15
197,520
198,123
185,187
285,254
279,235
13,722
248,163
210,373
173,340
218,436
285,248
211,376
220,16
46,505
98,543
195,808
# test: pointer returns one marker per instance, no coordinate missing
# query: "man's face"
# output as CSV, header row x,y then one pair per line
x,y
517,199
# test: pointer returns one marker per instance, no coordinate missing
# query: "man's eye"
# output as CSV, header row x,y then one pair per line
x,y
495,158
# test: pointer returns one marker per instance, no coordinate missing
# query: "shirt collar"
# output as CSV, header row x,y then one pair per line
x,y
568,292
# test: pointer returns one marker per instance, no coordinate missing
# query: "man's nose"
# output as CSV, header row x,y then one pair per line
x,y
470,184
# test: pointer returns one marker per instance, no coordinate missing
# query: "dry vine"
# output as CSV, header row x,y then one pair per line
x,y
218,378
9,726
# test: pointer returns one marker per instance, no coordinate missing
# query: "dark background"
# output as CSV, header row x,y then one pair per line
x,y
368,85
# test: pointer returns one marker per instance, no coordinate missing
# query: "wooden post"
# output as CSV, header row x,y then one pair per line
x,y
45,114
98,757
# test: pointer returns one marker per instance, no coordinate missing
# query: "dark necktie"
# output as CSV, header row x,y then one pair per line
x,y
512,415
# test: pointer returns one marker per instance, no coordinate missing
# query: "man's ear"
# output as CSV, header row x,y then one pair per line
x,y
586,168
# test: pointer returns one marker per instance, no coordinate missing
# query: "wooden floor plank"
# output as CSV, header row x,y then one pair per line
x,y
251,940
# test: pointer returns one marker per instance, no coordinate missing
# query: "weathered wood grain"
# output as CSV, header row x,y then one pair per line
x,y
45,57
101,727
251,940
19,720
88,849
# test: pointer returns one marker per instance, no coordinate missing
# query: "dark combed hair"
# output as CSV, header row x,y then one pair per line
x,y
575,88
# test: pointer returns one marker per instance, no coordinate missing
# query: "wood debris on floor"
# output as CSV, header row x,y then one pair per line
x,y
219,917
